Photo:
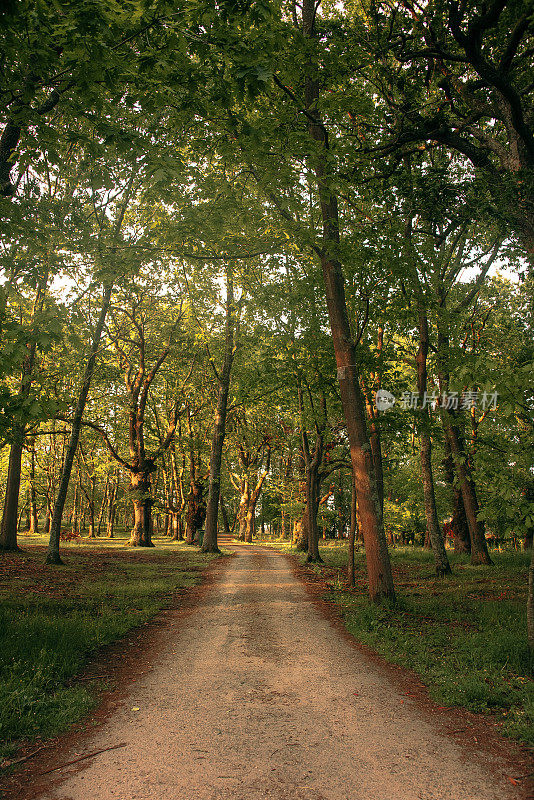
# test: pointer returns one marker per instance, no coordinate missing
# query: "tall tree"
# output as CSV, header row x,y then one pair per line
x,y
209,544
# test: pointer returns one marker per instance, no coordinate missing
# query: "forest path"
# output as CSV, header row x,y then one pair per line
x,y
255,695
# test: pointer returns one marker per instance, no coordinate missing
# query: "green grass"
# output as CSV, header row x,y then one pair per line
x,y
465,635
53,618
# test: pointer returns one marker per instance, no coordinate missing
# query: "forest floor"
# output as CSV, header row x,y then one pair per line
x,y
253,689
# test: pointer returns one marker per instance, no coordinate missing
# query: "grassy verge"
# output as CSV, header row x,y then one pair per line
x,y
464,635
53,618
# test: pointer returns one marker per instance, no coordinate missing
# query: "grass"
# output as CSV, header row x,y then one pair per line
x,y
465,635
53,618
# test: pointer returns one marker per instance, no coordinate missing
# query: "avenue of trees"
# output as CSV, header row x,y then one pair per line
x,y
225,227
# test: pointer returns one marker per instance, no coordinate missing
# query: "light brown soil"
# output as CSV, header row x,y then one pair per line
x,y
256,694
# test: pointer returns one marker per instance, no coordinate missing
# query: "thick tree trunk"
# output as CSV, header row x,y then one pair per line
x,y
53,556
176,523
460,528
141,535
8,533
375,438
250,522
196,511
300,532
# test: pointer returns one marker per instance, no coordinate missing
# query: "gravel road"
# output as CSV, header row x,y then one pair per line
x,y
255,695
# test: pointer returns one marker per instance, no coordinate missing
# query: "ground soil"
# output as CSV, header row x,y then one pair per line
x,y
249,688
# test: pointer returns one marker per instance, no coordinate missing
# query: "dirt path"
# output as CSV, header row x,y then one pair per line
x,y
257,695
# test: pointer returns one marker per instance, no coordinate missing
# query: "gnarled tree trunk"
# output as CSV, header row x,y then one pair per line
x,y
142,500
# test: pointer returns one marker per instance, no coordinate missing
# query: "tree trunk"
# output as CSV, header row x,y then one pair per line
x,y
250,522
352,535
460,528
8,534
530,604
8,529
224,516
141,535
209,544
300,532
479,548
34,520
242,511
102,506
312,506
53,556
377,556
195,511
176,526
435,534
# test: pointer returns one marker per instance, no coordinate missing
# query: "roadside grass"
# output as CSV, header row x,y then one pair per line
x,y
465,634
52,618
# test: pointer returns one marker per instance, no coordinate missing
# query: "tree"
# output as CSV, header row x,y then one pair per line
x,y
139,334
457,74
209,544
53,556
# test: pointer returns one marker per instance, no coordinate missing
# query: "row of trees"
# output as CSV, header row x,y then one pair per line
x,y
253,217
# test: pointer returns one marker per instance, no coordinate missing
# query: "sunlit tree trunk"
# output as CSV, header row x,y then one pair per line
x,y
377,556
142,501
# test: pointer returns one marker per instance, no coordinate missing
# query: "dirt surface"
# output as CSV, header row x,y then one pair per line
x,y
255,693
